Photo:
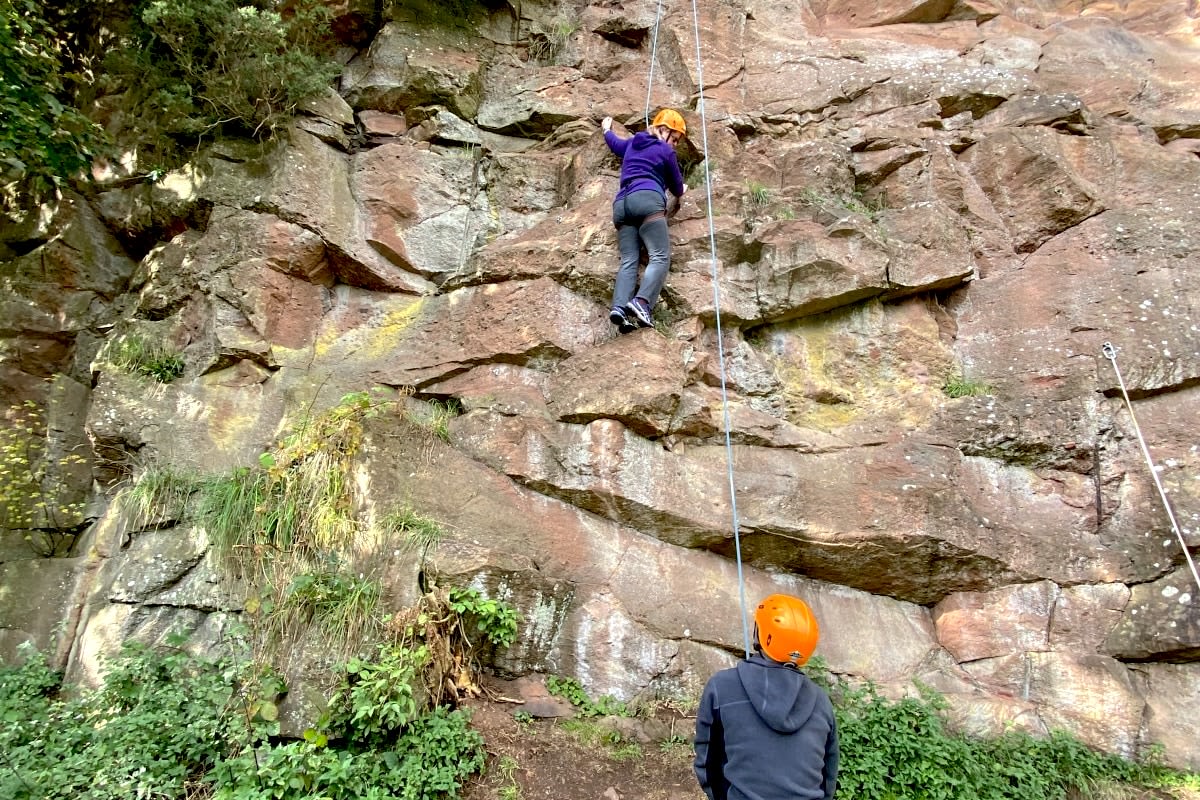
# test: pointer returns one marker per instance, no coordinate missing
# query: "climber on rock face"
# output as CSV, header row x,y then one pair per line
x,y
649,169
764,730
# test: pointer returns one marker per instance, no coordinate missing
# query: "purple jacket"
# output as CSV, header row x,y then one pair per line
x,y
646,163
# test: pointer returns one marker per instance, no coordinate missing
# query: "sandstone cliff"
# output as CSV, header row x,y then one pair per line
x,y
905,197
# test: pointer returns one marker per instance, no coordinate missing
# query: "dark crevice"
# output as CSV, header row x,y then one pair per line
x,y
1142,394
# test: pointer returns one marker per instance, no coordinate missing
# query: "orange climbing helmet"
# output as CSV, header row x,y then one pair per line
x,y
787,629
670,118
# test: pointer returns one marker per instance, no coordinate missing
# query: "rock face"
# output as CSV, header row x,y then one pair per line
x,y
922,221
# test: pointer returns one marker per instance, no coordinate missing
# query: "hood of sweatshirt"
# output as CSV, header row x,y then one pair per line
x,y
645,141
783,696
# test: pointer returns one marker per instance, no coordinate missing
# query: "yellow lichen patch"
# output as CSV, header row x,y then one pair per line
x,y
835,370
386,334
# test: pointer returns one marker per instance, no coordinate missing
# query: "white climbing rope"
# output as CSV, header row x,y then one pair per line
x,y
712,246
1110,353
712,249
653,60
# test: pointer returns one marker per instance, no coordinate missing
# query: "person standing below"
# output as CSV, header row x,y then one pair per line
x,y
764,730
649,169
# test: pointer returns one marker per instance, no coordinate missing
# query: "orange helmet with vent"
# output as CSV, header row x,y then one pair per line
x,y
669,118
787,629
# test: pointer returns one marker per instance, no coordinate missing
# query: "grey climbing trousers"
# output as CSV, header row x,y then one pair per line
x,y
641,218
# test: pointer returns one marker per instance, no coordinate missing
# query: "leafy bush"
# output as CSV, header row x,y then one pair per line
x,y
156,726
901,749
167,725
496,620
192,67
376,699
44,139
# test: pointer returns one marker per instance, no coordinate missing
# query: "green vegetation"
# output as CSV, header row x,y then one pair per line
x,y
901,749
290,527
696,176
297,502
437,419
193,67
546,40
595,735
172,73
758,195
44,139
136,354
856,203
961,386
166,725
417,529
572,691
33,492
510,788
497,621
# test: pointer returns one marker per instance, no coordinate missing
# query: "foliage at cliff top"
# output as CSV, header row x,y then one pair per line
x,y
43,137
171,75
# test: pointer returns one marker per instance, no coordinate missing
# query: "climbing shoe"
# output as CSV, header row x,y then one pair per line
x,y
639,309
617,317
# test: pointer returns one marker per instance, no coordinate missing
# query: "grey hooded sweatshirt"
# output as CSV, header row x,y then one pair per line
x,y
765,731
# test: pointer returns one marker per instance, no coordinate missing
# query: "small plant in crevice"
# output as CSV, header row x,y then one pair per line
x,y
139,355
959,385
697,175
547,39
758,195
416,529
436,417
496,620
855,202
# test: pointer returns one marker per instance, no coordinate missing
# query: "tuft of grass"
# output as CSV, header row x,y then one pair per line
x,y
141,356
342,604
436,416
510,788
697,175
758,194
420,531
547,40
961,386
593,734
160,494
